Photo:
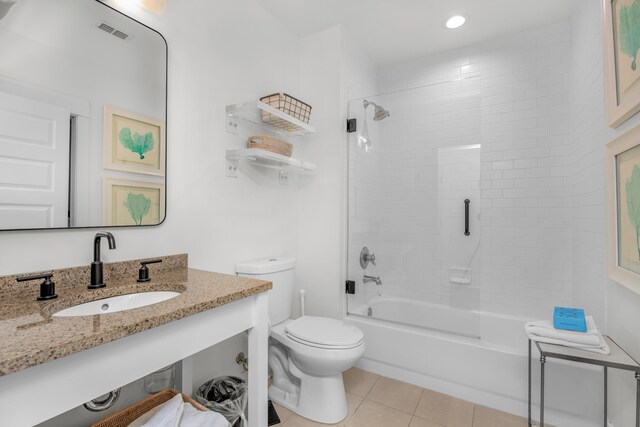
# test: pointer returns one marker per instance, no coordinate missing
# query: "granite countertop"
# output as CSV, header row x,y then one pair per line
x,y
31,336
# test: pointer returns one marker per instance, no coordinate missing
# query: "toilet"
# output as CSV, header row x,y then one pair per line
x,y
307,355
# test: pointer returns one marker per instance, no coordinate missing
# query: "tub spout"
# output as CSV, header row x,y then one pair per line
x,y
368,279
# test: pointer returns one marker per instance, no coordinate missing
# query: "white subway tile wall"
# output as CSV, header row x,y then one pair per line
x,y
510,97
589,133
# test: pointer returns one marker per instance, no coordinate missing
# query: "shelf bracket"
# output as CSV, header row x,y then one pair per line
x,y
231,168
232,124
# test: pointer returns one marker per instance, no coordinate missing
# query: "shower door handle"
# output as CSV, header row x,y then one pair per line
x,y
466,217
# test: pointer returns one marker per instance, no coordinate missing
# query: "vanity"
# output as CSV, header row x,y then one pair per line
x,y
83,117
50,364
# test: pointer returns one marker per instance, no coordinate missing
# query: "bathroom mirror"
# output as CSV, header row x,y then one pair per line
x,y
83,101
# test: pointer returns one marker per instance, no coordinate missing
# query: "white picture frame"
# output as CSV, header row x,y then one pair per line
x,y
117,156
622,156
622,69
115,212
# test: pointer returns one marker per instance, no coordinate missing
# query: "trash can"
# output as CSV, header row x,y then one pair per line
x,y
226,396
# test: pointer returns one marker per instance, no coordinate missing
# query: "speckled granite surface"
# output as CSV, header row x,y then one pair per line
x,y
31,336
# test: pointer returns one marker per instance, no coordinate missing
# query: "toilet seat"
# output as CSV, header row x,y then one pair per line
x,y
324,332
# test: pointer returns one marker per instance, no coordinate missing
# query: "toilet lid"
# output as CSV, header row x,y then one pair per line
x,y
325,332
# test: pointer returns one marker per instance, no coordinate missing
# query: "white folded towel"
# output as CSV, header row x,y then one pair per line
x,y
176,413
592,340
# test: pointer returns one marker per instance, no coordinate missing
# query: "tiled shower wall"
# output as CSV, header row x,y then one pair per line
x,y
520,87
588,185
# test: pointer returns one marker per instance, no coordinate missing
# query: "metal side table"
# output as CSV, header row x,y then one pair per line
x,y
617,359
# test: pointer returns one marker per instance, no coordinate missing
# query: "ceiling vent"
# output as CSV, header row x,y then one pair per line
x,y
113,31
120,34
106,27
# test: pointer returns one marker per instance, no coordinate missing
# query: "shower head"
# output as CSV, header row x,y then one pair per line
x,y
380,113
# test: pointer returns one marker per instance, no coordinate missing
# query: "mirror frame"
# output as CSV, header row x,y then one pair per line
x,y
166,156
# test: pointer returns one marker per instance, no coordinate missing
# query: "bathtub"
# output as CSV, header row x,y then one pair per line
x,y
473,355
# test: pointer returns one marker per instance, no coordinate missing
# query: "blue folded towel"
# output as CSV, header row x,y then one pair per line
x,y
569,319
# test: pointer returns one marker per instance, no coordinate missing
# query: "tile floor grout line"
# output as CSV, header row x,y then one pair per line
x,y
354,411
390,407
419,399
373,386
473,418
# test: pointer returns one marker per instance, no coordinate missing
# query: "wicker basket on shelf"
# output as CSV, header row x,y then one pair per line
x,y
269,143
288,105
130,414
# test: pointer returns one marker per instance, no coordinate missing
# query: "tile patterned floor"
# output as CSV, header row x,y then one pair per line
x,y
376,401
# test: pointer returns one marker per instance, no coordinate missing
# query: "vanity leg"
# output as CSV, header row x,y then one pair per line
x,y
529,382
186,376
605,396
258,363
543,360
637,399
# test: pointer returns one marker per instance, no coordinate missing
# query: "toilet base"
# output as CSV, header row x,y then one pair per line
x,y
321,399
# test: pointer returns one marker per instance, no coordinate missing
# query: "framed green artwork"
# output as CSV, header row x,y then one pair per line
x,y
623,209
621,33
133,143
133,202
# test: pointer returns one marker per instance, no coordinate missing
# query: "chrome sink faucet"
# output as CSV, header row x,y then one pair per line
x,y
97,279
368,279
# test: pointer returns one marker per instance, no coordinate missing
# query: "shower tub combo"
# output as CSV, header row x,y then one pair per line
x,y
416,170
473,355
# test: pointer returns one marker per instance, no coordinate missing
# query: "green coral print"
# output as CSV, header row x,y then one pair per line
x,y
138,206
632,189
136,143
630,31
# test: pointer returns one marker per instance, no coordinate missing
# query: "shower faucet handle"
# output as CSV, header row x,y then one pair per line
x,y
372,259
366,258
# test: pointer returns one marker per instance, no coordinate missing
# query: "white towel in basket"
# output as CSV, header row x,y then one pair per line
x,y
176,413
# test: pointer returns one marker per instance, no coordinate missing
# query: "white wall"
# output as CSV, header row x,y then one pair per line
x,y
319,210
219,53
218,221
616,308
333,68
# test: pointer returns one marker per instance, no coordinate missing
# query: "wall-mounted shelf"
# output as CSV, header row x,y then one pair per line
x,y
282,123
267,159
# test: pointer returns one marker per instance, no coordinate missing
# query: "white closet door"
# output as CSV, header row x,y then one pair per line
x,y
34,163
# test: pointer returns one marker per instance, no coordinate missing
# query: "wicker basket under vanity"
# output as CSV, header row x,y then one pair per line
x,y
130,414
288,105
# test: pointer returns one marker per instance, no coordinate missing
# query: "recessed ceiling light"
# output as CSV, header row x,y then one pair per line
x,y
455,21
157,6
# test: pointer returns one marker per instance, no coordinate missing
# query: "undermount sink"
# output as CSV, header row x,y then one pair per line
x,y
117,303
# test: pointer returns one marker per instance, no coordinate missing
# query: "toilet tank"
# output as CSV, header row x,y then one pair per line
x,y
278,271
